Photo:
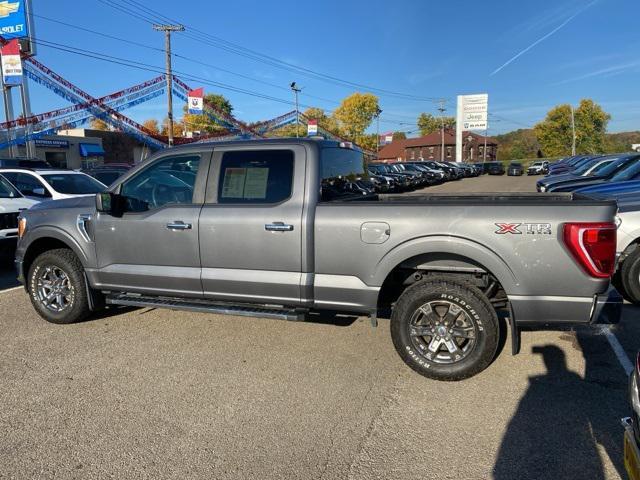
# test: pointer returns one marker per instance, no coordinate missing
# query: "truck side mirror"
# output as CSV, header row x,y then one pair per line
x,y
104,202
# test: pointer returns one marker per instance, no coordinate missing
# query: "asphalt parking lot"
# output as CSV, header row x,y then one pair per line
x,y
143,393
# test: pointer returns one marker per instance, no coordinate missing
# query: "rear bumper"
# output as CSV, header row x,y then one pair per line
x,y
605,308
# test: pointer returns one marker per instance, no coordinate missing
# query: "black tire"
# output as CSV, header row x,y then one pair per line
x,y
630,276
473,310
65,261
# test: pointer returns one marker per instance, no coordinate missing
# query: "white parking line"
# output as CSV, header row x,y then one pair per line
x,y
617,349
11,289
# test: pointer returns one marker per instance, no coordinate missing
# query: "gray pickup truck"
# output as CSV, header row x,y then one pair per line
x,y
267,228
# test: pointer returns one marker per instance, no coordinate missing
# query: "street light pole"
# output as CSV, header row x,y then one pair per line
x,y
441,109
167,29
296,91
378,112
573,132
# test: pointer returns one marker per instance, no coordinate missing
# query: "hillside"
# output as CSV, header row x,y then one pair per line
x,y
522,143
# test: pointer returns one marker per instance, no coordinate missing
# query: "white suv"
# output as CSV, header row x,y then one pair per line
x,y
49,184
11,204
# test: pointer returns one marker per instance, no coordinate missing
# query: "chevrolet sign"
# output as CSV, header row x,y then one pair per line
x,y
13,19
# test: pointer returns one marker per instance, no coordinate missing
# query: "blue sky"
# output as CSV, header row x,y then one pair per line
x,y
529,56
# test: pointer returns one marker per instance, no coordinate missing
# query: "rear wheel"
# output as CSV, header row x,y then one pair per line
x,y
445,329
57,287
630,276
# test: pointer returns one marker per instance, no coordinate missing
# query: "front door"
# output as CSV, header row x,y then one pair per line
x,y
251,225
153,247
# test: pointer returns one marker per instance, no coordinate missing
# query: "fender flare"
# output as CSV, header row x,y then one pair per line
x,y
476,252
50,231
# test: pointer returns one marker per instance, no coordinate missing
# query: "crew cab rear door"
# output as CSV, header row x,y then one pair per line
x,y
251,224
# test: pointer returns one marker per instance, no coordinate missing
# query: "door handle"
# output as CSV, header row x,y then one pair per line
x,y
278,227
178,225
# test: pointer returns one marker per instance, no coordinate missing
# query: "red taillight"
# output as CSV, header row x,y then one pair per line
x,y
593,245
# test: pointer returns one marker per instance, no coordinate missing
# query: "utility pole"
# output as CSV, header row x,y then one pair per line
x,y
167,29
441,109
296,91
378,112
8,113
484,152
573,132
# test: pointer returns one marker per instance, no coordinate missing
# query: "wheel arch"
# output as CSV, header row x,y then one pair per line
x,y
50,239
448,254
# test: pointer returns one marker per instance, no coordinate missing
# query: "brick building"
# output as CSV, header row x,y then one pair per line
x,y
429,146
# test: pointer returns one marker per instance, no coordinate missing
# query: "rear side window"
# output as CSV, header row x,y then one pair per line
x,y
27,184
256,177
342,174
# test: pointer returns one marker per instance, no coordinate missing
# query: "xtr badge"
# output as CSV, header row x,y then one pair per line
x,y
526,228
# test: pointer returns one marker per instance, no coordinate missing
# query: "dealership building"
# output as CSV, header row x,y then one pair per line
x,y
428,147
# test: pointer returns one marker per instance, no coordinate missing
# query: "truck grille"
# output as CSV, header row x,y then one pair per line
x,y
8,220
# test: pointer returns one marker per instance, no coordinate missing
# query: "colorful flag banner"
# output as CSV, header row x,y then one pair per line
x,y
312,127
196,101
11,63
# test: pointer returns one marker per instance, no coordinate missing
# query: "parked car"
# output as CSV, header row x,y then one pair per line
x,y
264,236
631,437
611,188
589,169
569,164
494,168
12,202
570,183
538,168
23,162
515,169
52,184
107,174
627,277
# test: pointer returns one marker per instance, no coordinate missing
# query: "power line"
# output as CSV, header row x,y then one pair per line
x,y
217,42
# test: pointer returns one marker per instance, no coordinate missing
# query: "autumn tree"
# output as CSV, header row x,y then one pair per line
x,y
178,128
151,125
555,134
428,123
203,123
99,124
355,114
399,136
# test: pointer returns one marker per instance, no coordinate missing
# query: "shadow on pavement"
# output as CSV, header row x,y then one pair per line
x,y
559,422
7,270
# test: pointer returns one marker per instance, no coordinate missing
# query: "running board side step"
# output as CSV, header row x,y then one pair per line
x,y
197,305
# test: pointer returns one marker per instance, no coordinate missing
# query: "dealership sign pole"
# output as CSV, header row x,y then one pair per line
x,y
472,115
16,27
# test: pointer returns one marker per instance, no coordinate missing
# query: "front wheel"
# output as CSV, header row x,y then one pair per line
x,y
57,287
445,329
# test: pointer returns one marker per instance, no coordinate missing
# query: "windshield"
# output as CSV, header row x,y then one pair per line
x,y
617,164
74,183
7,190
629,173
599,167
586,166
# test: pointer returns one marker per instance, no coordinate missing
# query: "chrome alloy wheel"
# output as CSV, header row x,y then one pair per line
x,y
54,289
442,332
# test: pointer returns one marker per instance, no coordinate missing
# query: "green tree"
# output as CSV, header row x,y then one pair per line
x,y
427,123
355,114
203,123
554,133
399,136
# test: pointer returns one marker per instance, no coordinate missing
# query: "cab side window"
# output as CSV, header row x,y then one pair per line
x,y
28,185
256,176
169,181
